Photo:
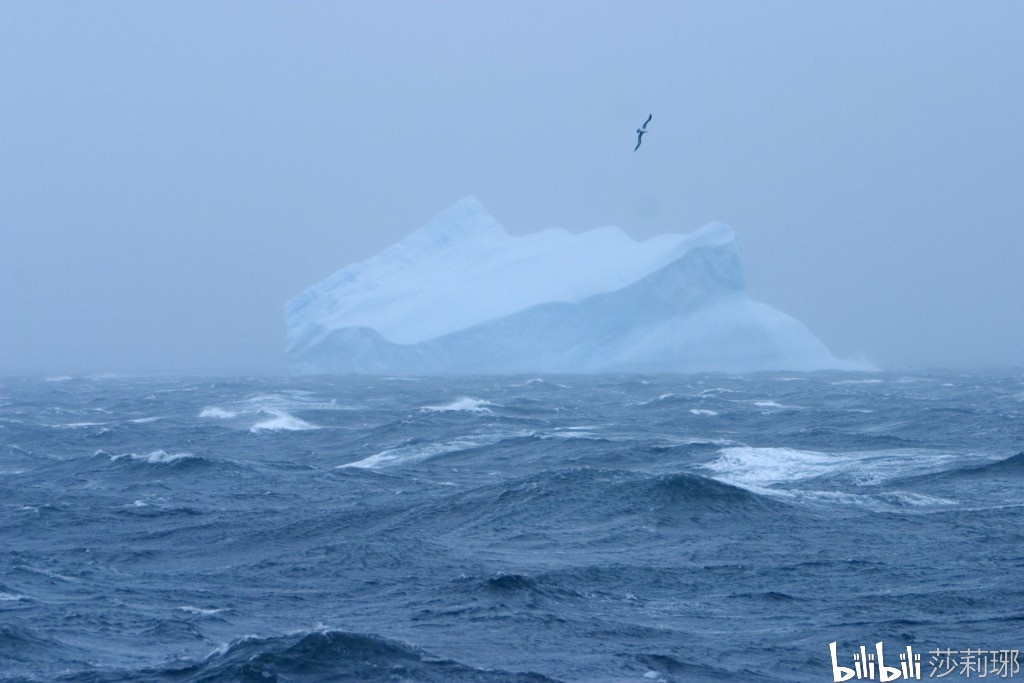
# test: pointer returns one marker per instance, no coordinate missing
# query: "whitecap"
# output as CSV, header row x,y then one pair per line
x,y
700,441
218,413
463,404
158,457
857,381
281,422
773,470
760,468
413,453
409,454
703,411
571,433
530,382
201,611
717,390
577,432
768,404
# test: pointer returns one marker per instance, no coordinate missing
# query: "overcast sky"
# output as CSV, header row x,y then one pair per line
x,y
171,173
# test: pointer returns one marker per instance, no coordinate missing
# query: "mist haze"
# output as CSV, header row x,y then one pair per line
x,y
171,174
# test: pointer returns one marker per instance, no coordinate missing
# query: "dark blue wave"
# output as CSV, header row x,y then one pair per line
x,y
330,655
572,527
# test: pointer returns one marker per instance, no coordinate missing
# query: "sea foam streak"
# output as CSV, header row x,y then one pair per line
x,y
200,611
405,455
413,453
464,404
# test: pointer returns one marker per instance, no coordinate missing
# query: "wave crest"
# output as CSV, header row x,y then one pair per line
x,y
335,655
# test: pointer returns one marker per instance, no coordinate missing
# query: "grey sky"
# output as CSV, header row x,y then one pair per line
x,y
171,173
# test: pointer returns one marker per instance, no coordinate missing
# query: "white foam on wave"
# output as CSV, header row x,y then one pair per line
x,y
272,412
217,412
703,411
538,381
201,611
663,397
288,401
48,573
223,649
573,433
413,453
857,381
769,404
700,441
464,404
145,420
78,425
158,457
760,468
895,500
715,391
281,421
915,499
12,597
787,472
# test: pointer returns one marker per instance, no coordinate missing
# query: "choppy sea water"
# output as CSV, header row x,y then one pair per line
x,y
621,528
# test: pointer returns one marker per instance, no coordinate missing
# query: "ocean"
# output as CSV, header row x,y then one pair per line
x,y
556,528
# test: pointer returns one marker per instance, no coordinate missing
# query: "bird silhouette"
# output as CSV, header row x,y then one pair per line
x,y
640,132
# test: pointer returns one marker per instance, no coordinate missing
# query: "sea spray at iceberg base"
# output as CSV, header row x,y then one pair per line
x,y
535,528
462,296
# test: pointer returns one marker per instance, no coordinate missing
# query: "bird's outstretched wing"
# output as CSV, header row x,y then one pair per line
x,y
639,137
649,116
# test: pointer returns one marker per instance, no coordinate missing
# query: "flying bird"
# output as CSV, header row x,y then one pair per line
x,y
640,132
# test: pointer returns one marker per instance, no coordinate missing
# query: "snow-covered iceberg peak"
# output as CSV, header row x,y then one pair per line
x,y
461,295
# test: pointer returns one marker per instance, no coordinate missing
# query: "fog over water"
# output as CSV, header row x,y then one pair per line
x,y
171,174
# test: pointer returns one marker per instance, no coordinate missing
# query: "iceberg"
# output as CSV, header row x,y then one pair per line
x,y
462,296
